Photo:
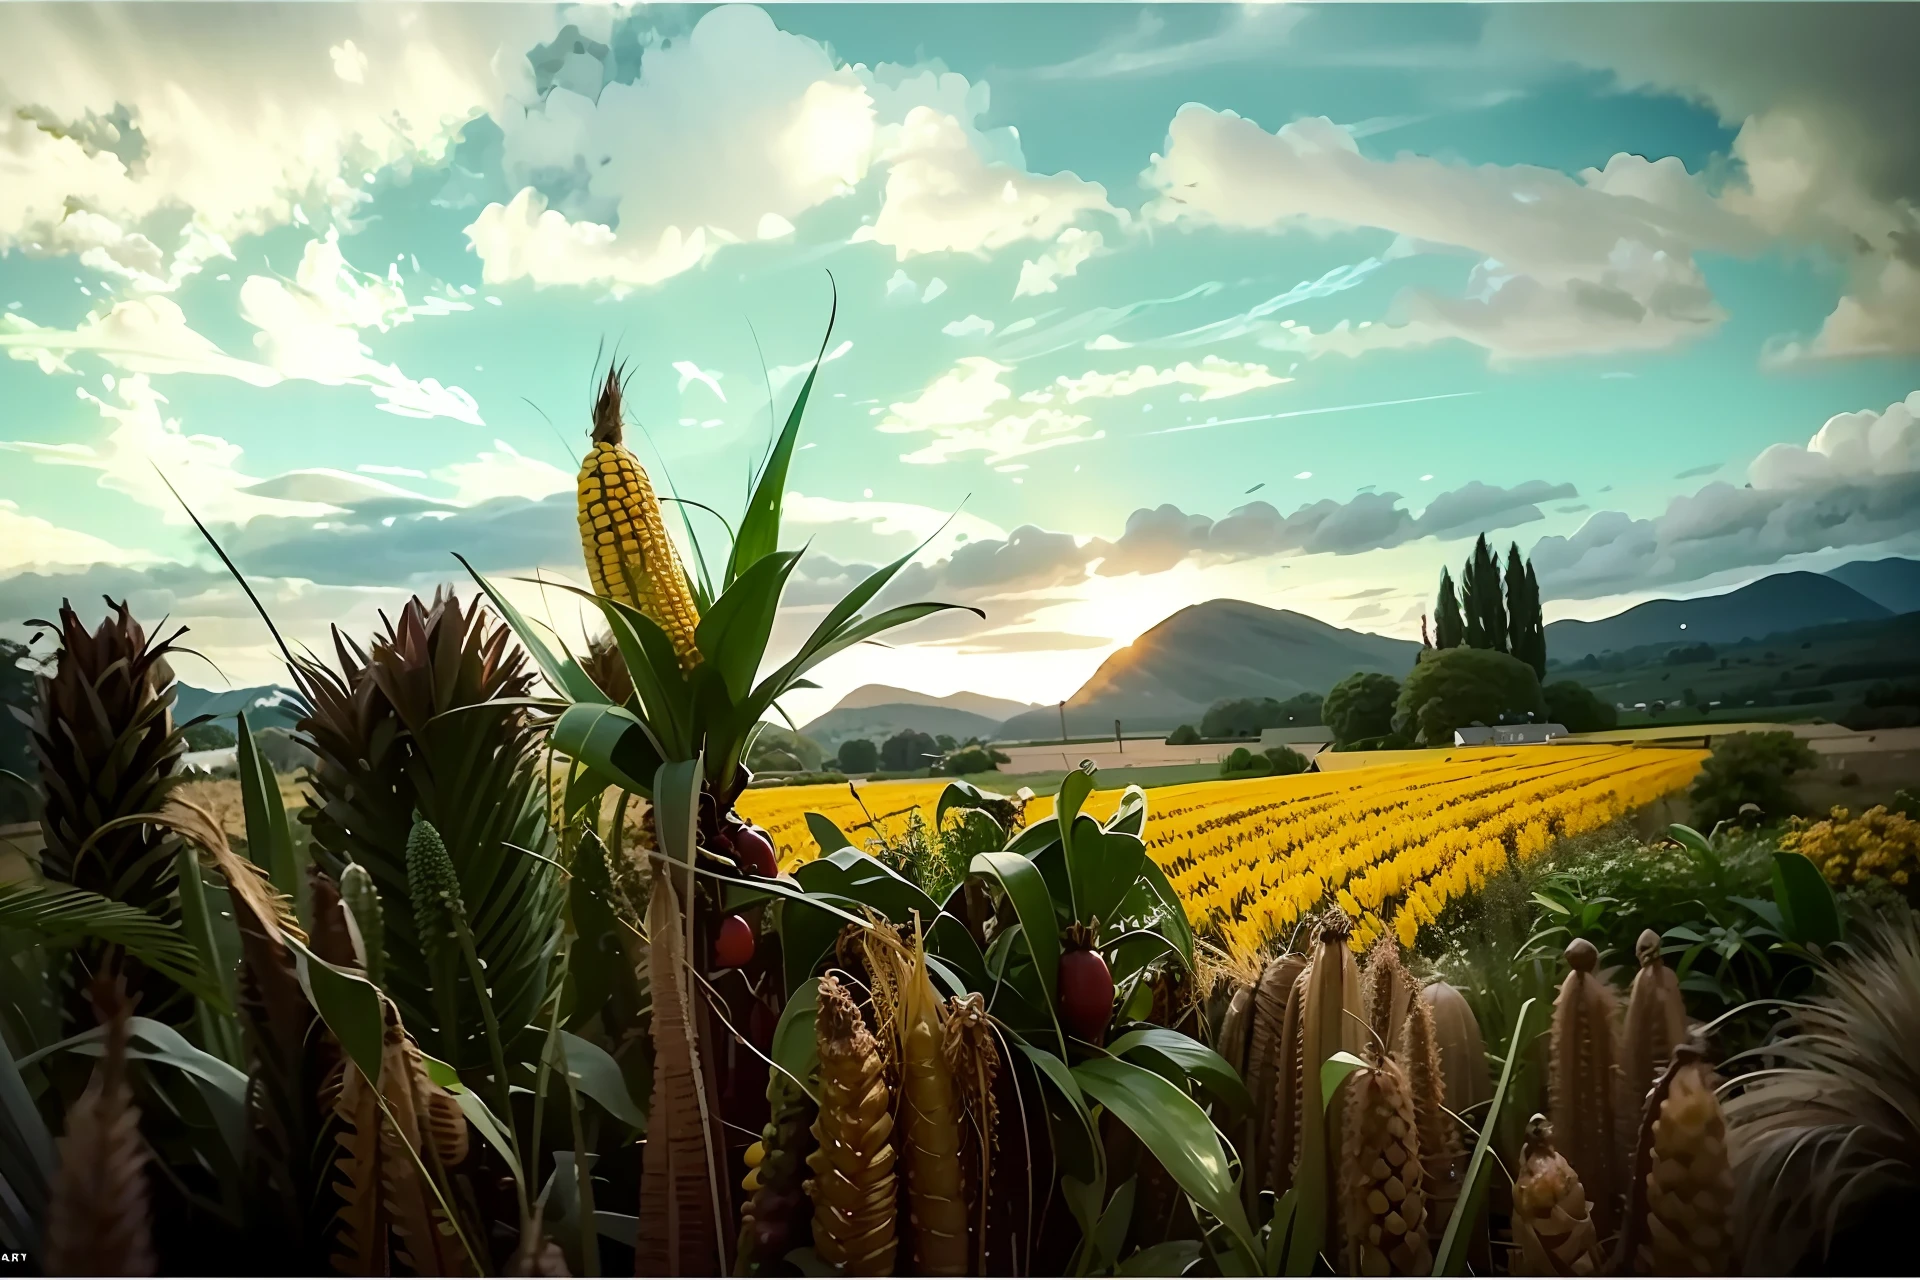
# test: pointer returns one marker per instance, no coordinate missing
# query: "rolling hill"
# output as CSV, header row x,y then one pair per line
x,y
1892,583
1779,602
267,705
1206,652
979,704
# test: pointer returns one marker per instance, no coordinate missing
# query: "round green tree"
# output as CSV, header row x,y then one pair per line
x,y
1578,708
1452,688
858,755
1360,708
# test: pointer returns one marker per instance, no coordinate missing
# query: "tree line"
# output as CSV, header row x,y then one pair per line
x,y
1491,613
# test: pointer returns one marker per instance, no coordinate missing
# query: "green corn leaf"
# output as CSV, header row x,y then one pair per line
x,y
611,742
1168,1258
52,912
827,834
1195,1060
478,1114
269,837
795,1046
1039,926
348,1004
733,634
1130,816
27,1159
1335,1070
221,1084
1110,1236
1172,1126
1082,1158
597,1075
760,524
567,677
1450,1259
196,920
1805,899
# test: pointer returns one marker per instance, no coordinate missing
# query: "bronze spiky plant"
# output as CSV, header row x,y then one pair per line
x,y
1656,1024
106,748
1382,1184
1585,1088
1553,1231
99,1220
1265,1072
1442,1156
422,721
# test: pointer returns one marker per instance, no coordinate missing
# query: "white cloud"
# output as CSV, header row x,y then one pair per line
x,y
935,287
31,543
900,286
943,196
1601,262
781,374
960,409
142,335
691,373
1107,342
1216,378
1849,448
1039,275
892,520
503,472
139,138
971,327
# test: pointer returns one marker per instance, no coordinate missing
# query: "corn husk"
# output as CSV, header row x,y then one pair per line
x,y
1382,1181
1585,1088
1553,1231
852,1187
1266,1075
1442,1154
1656,1024
1468,1083
1688,1188
1331,1019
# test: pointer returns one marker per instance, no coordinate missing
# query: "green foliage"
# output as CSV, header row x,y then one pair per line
x,y
1486,613
1452,688
16,696
1242,763
1572,704
1286,761
972,759
1246,717
1750,769
908,750
777,747
1360,707
1449,628
1526,633
1184,736
858,755
207,736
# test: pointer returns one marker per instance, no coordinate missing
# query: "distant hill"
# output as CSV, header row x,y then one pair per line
x,y
877,724
1779,602
267,705
1892,583
1206,652
885,695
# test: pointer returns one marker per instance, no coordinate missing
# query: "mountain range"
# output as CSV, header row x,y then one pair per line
x,y
267,706
1779,602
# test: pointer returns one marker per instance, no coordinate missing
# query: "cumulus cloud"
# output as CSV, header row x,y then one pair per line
x,y
1214,378
29,542
1856,482
139,140
504,472
1601,262
1041,275
961,410
971,327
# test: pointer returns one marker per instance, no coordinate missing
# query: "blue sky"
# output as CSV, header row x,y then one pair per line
x,y
1281,302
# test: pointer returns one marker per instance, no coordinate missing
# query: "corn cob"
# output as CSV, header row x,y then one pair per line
x,y
1266,1049
773,1223
1656,1023
936,1196
1389,991
1331,1019
1689,1185
1585,1092
975,1063
1552,1223
630,558
1442,1157
853,1184
1235,1023
1283,1124
1463,1055
1380,1175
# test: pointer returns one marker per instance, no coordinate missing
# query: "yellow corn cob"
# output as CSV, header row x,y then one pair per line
x,y
936,1196
853,1186
1552,1217
1689,1185
629,556
1381,1176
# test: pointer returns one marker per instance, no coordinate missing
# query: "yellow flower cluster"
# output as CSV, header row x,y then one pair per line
x,y
1849,850
1391,845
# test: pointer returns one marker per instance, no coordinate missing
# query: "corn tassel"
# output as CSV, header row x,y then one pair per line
x,y
1689,1184
1552,1220
1585,1091
1656,1024
1381,1179
1442,1157
852,1186
630,558
99,1220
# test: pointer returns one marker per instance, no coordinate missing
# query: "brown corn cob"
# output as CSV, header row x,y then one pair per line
x,y
1331,1019
1689,1186
1388,991
1381,1177
630,558
1585,1090
1266,1053
853,1183
975,1062
1234,1027
1656,1024
936,1192
1442,1156
1553,1229
1463,1055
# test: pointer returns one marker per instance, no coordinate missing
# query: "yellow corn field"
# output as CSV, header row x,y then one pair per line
x,y
1391,845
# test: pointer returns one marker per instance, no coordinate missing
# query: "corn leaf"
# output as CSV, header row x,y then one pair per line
x,y
597,1075
1196,1061
733,634
612,742
1110,1236
827,834
1335,1069
475,1109
1172,1126
1805,899
1130,816
27,1159
269,838
54,912
567,677
221,1084
795,1046
1033,905
1450,1258
759,534
1078,1151
1168,1258
348,1004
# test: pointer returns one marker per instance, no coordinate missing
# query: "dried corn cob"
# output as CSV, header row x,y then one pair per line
x,y
975,1063
1331,1019
1656,1023
1689,1185
1266,1051
936,1195
1234,1025
1463,1055
99,1219
1381,1179
1442,1156
1552,1224
630,558
1389,991
853,1184
1585,1092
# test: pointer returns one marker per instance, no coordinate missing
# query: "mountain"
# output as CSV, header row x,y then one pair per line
x,y
1892,583
1206,652
267,705
885,695
1779,602
877,724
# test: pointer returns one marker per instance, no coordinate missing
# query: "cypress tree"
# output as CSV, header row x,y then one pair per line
x,y
1518,615
1486,613
1537,646
1473,632
1448,627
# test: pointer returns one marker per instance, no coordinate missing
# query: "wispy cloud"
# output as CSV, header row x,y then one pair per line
x,y
1250,32
1308,413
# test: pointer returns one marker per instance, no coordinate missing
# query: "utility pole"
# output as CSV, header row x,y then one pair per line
x,y
1063,721
1119,744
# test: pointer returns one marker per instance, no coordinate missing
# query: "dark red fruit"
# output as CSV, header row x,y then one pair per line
x,y
1086,995
734,946
753,850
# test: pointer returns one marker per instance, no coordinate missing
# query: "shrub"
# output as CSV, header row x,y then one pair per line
x,y
1578,708
1242,763
973,759
1286,761
1186,735
208,737
858,755
1879,844
1750,768
907,750
1246,717
1361,706
1455,687
777,747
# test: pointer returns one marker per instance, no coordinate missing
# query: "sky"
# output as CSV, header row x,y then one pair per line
x,y
1137,306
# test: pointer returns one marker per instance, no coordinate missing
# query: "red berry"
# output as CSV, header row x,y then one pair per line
x,y
753,850
735,945
1086,995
